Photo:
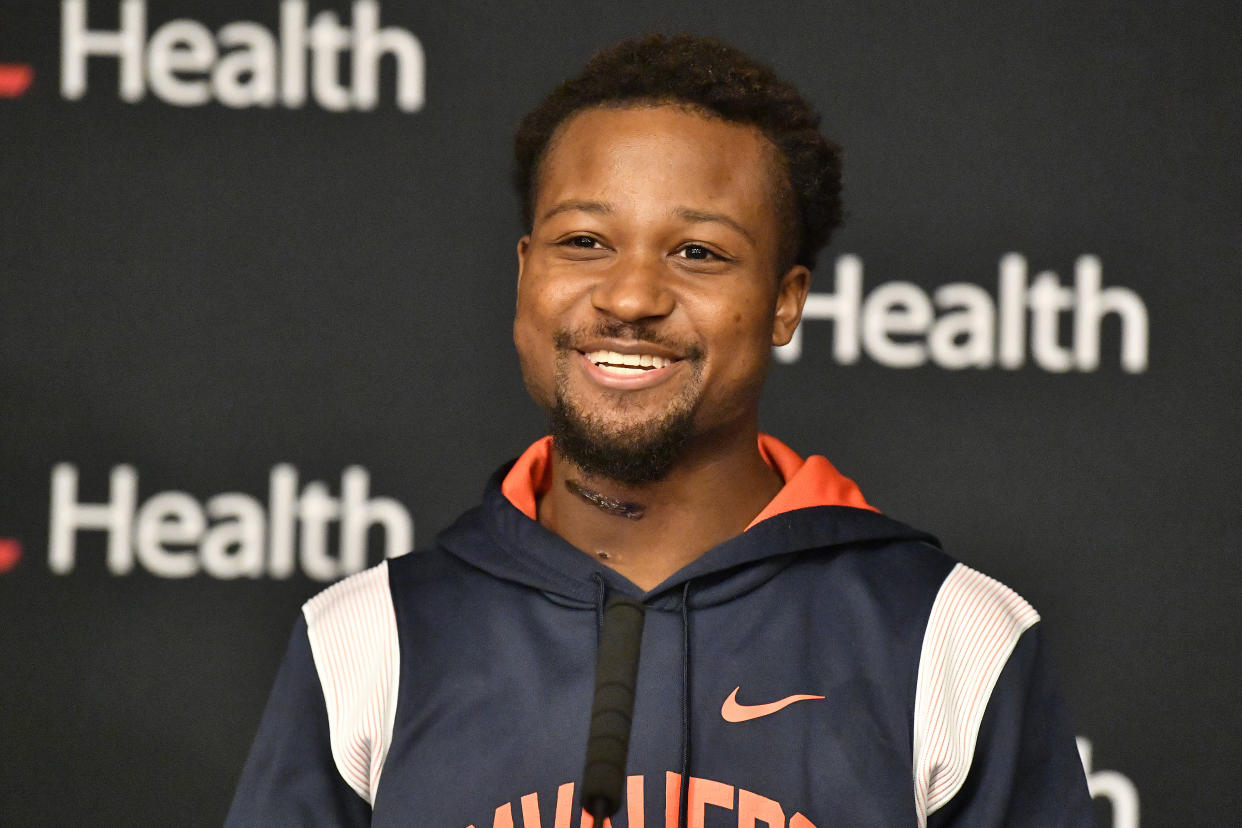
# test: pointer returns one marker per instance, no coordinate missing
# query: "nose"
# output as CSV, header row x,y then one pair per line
x,y
634,288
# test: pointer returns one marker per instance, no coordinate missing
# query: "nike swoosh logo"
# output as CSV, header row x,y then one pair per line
x,y
732,711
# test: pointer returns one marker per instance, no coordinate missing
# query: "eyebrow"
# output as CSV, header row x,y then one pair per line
x,y
692,215
599,208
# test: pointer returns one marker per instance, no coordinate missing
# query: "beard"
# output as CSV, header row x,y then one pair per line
x,y
635,452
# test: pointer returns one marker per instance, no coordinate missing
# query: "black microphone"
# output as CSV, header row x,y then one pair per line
x,y
616,671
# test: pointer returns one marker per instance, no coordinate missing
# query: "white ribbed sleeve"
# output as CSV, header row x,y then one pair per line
x,y
974,625
353,638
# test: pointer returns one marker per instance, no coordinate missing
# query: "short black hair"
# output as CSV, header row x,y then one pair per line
x,y
718,80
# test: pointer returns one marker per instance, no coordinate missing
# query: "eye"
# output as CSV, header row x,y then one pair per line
x,y
584,242
699,253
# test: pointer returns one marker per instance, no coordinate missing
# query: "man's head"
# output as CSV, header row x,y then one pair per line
x,y
662,263
710,76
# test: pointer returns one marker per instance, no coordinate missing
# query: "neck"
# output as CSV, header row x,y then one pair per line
x,y
711,495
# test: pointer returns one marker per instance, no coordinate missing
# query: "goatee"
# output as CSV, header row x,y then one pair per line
x,y
644,453
641,451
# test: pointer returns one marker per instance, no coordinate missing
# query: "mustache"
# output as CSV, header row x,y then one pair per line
x,y
564,339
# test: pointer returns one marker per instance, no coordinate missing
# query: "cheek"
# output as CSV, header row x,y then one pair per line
x,y
529,321
530,337
536,361
542,309
533,312
746,335
546,298
751,317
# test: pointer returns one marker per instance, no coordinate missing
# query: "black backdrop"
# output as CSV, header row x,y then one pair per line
x,y
196,295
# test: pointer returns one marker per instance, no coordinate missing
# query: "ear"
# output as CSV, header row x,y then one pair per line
x,y
523,246
790,297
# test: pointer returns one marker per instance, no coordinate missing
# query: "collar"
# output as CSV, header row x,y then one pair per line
x,y
808,482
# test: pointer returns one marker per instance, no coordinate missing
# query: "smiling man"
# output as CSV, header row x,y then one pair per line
x,y
805,661
651,289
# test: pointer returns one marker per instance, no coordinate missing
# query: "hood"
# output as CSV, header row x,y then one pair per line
x,y
817,509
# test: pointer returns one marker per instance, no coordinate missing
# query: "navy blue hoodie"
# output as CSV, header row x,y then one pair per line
x,y
826,667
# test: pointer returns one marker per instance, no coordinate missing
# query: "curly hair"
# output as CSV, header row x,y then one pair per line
x,y
712,77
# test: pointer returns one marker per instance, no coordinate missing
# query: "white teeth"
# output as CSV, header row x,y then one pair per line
x,y
621,370
626,364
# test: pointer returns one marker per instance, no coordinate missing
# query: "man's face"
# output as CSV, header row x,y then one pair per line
x,y
648,297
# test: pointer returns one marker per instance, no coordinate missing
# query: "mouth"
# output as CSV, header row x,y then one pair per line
x,y
618,364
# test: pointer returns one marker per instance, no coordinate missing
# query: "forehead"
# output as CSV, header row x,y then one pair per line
x,y
663,150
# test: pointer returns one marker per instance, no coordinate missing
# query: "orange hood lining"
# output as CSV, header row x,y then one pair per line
x,y
810,482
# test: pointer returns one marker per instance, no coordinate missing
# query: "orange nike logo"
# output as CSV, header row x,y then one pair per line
x,y
732,711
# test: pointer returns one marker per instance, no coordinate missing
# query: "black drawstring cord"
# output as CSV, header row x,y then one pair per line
x,y
601,593
684,810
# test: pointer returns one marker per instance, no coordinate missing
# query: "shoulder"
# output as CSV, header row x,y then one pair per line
x,y
351,620
352,630
973,626
973,609
363,596
372,595
973,629
894,581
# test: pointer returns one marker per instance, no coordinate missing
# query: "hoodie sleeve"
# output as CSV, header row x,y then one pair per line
x,y
325,734
1025,770
290,777
991,742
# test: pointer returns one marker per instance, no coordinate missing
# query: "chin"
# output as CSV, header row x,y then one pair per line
x,y
633,454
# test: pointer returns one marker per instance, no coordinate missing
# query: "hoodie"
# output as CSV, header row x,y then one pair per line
x,y
828,666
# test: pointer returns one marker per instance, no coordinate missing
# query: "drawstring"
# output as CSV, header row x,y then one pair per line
x,y
600,595
683,814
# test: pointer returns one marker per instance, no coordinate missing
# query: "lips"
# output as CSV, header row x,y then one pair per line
x,y
626,365
621,371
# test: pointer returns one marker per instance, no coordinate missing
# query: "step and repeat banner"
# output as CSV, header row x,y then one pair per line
x,y
256,279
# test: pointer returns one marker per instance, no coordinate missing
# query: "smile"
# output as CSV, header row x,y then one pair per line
x,y
626,365
618,371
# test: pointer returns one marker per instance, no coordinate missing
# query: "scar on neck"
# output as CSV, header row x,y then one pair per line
x,y
620,508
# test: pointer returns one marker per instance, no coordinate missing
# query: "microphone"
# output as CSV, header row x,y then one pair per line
x,y
616,671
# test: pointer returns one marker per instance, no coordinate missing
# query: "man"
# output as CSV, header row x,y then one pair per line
x,y
805,661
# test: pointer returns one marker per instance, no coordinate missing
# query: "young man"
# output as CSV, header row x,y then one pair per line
x,y
805,661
